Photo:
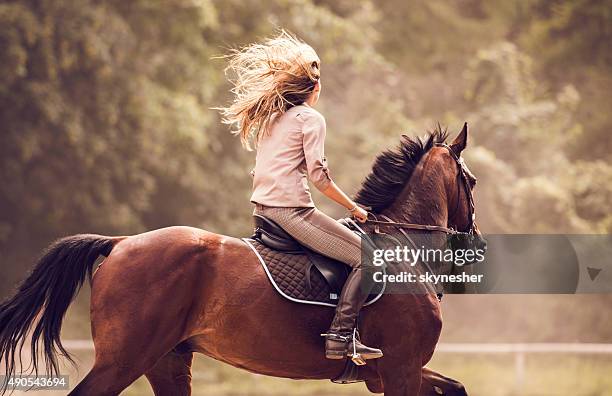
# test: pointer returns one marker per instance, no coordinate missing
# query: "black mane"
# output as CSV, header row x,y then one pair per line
x,y
393,168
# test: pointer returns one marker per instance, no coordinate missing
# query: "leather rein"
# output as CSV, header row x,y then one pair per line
x,y
447,230
412,226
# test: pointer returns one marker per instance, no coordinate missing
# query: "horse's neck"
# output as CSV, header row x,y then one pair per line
x,y
420,206
424,206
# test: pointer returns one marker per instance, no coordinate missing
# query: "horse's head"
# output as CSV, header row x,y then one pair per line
x,y
425,182
459,183
425,189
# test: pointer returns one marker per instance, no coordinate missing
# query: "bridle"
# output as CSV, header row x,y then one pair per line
x,y
463,183
463,180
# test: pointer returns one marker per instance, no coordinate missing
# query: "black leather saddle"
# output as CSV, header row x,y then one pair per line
x,y
273,236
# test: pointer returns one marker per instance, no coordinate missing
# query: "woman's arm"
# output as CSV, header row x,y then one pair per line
x,y
313,141
334,193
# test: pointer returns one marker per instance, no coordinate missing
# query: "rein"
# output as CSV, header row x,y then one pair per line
x,y
413,226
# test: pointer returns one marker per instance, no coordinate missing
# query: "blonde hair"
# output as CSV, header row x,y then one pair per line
x,y
269,78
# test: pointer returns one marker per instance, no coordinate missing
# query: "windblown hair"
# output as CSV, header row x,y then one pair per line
x,y
268,79
393,168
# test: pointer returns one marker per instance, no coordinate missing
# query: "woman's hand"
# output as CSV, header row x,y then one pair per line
x,y
360,214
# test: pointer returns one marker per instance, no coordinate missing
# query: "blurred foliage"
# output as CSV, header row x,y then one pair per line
x,y
106,123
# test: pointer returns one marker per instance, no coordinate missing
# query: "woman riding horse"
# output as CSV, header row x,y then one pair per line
x,y
161,296
277,84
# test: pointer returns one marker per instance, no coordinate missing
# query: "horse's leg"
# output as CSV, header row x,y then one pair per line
x,y
122,354
432,384
119,361
400,378
435,384
171,375
105,380
375,385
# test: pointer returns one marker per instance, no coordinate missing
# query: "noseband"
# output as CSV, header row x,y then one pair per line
x,y
462,179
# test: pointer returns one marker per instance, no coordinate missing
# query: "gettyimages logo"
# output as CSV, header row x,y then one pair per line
x,y
412,256
508,264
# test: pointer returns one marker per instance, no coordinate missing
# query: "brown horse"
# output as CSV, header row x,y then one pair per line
x,y
164,294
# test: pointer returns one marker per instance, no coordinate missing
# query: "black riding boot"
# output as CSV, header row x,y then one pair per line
x,y
341,339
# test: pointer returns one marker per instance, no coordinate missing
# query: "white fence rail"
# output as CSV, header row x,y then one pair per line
x,y
519,350
578,348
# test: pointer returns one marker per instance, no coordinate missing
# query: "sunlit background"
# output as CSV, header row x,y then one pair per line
x,y
106,127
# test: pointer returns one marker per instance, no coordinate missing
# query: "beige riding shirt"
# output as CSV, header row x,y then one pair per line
x,y
288,157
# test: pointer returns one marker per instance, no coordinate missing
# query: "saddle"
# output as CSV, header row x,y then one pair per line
x,y
297,272
302,275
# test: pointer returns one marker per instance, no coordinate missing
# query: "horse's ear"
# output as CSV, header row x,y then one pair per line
x,y
460,142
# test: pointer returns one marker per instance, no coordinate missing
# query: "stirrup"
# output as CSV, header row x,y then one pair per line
x,y
358,360
356,357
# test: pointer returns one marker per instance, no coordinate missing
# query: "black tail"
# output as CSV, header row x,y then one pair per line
x,y
44,297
